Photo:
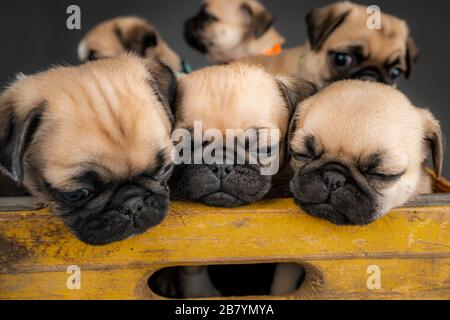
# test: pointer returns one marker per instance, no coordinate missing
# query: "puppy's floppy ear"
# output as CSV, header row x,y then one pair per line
x,y
164,82
138,39
434,139
322,22
412,55
16,134
295,91
260,20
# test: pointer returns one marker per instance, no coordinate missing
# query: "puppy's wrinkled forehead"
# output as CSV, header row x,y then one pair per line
x,y
356,119
235,96
103,113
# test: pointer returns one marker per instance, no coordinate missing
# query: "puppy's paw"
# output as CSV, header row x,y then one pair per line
x,y
196,283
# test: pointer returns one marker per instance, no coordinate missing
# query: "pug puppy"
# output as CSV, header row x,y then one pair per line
x,y
236,97
360,149
352,172
341,46
127,34
94,143
227,30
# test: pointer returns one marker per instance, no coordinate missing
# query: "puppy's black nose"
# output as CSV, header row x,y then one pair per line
x,y
333,180
133,205
221,170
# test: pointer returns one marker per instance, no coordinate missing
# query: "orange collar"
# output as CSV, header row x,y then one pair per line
x,y
275,50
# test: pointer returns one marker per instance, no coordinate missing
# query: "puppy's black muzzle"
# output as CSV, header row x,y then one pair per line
x,y
220,185
192,35
330,192
194,27
130,201
222,170
131,210
373,75
333,180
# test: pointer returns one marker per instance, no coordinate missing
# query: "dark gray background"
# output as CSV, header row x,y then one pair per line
x,y
34,36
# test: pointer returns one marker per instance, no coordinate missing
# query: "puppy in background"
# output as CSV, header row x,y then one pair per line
x,y
341,46
94,143
227,30
127,34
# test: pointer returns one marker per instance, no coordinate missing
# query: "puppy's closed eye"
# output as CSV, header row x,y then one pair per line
x,y
76,197
310,152
163,172
384,176
87,186
299,156
372,168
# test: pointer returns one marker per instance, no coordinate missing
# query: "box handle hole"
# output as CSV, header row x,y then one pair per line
x,y
233,280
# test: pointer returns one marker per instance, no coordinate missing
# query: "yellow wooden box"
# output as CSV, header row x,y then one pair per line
x,y
410,246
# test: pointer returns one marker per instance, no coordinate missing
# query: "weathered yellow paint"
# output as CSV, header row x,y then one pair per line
x,y
410,245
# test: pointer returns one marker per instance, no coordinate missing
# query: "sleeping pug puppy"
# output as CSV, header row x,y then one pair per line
x,y
341,46
227,30
237,97
359,149
127,34
233,97
94,143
